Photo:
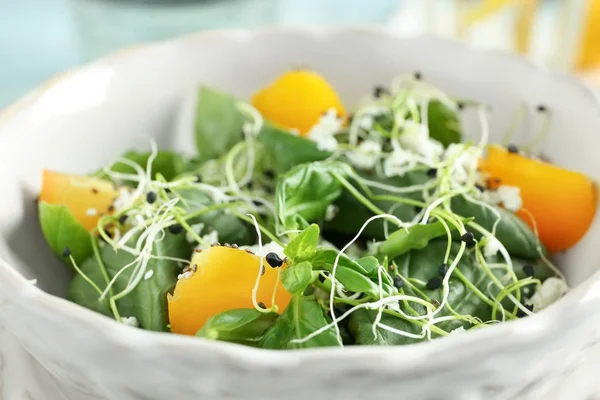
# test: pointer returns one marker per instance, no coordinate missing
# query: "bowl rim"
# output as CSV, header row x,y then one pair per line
x,y
522,333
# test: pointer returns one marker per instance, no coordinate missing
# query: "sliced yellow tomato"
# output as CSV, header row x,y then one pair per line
x,y
562,203
223,280
297,99
87,198
589,48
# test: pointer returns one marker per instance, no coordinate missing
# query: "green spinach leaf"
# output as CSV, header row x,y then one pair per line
x,y
443,123
148,301
62,231
286,150
166,163
243,326
361,327
512,232
297,277
302,317
218,123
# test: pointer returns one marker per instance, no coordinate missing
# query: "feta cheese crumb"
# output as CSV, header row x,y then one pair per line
x,y
465,160
492,246
331,212
510,196
91,212
323,131
551,290
207,240
366,155
398,163
123,200
148,274
130,321
415,137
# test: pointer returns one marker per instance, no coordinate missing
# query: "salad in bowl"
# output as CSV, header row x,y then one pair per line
x,y
301,222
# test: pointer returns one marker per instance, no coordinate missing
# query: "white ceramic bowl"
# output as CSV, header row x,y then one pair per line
x,y
54,349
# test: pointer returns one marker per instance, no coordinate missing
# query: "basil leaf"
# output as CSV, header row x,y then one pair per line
x,y
303,246
166,163
415,237
286,150
443,123
305,191
218,123
512,232
302,317
63,231
148,300
242,326
230,228
361,327
297,277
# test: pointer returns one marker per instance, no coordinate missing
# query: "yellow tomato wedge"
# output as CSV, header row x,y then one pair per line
x,y
297,99
87,198
223,280
562,203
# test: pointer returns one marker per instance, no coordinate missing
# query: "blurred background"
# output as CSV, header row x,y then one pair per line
x,y
39,38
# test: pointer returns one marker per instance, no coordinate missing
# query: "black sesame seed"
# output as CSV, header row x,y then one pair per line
x,y
398,282
274,260
418,209
432,172
66,252
234,246
269,190
215,244
434,283
111,208
521,313
460,105
249,251
443,269
122,219
151,197
198,178
167,190
250,185
94,190
194,267
269,173
528,270
378,91
418,76
542,108
468,237
262,270
435,302
175,229
262,305
512,148
480,187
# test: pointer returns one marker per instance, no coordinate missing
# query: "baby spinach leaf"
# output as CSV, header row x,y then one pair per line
x,y
229,228
303,246
62,231
297,277
326,257
286,150
369,264
512,232
305,191
244,326
218,123
423,265
302,317
166,163
361,327
148,301
415,237
443,123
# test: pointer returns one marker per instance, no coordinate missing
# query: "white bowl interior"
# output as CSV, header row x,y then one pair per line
x,y
80,121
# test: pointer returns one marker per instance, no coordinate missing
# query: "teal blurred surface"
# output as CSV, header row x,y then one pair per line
x,y
39,38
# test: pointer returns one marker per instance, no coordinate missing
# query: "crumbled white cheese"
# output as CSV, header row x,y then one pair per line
x,y
510,196
465,160
366,122
492,246
458,330
148,274
366,155
331,212
551,290
415,137
124,199
196,228
90,212
323,131
397,163
185,275
208,240
130,321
